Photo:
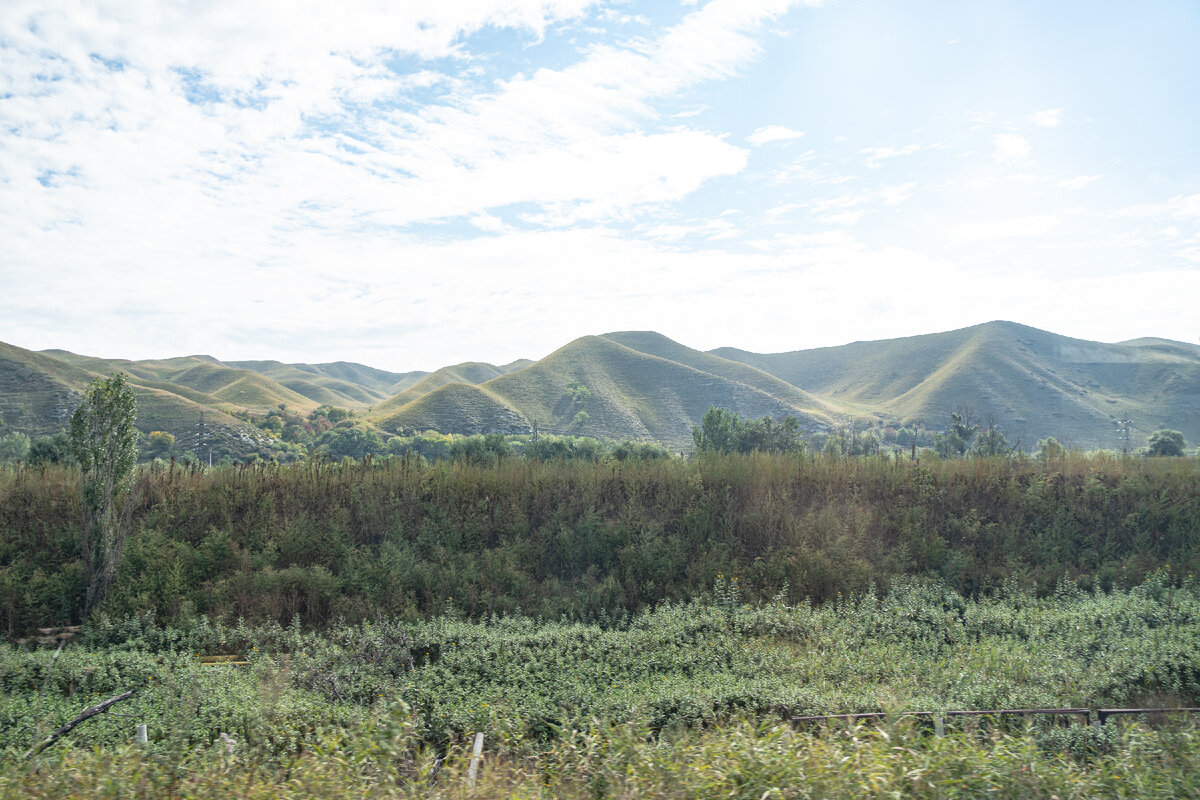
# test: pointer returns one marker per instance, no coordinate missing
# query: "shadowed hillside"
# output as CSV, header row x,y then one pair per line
x,y
630,394
1034,382
200,378
655,344
454,408
342,383
319,388
38,392
469,372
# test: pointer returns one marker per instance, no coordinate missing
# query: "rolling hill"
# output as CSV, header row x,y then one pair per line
x,y
1034,383
643,385
469,372
38,392
454,408
628,394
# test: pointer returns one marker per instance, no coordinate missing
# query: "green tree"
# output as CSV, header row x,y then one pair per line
x,y
481,448
717,431
1049,449
639,451
769,436
104,443
55,449
723,431
160,444
14,447
352,442
580,394
1165,442
992,442
958,437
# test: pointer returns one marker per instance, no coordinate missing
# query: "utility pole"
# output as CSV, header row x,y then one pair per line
x,y
1125,434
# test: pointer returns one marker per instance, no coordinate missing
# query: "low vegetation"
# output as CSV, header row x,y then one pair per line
x,y
686,699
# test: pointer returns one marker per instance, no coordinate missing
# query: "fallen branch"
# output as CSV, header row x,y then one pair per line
x,y
99,708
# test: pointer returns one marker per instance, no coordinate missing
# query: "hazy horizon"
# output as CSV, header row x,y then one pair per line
x,y
414,187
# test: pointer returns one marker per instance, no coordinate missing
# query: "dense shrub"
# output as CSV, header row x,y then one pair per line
x,y
398,536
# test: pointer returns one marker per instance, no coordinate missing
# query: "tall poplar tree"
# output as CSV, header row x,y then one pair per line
x,y
104,442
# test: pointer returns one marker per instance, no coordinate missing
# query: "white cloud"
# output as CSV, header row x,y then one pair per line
x,y
773,133
1047,118
1014,228
1078,182
1011,149
843,219
1181,207
895,195
877,155
846,210
211,108
490,224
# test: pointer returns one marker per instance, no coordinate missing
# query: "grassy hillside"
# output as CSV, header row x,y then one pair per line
x,y
631,394
357,384
38,392
656,344
640,384
321,389
453,408
469,372
240,387
378,380
202,379
1035,383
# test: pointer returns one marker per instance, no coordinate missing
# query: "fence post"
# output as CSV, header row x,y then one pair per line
x,y
141,733
939,727
476,755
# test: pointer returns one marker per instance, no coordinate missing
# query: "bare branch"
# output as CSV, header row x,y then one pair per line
x,y
99,708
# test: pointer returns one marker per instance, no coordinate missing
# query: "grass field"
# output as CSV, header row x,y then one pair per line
x,y
687,700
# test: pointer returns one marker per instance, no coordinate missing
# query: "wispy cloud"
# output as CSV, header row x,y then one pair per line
x,y
773,133
1010,149
286,116
1078,182
877,155
1012,228
1047,118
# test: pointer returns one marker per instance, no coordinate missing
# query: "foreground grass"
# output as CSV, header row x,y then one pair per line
x,y
918,647
742,759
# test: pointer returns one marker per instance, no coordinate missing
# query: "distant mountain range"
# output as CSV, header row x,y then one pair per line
x,y
642,385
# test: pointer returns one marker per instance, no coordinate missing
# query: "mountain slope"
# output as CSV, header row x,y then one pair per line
x,y
38,392
341,383
1034,383
631,394
640,384
319,388
453,408
468,372
656,344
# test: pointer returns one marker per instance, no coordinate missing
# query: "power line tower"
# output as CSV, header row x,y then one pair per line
x,y
1125,434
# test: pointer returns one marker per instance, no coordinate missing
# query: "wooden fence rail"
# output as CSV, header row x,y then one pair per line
x,y
1101,714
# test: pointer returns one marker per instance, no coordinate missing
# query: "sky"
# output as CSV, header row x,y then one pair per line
x,y
415,184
